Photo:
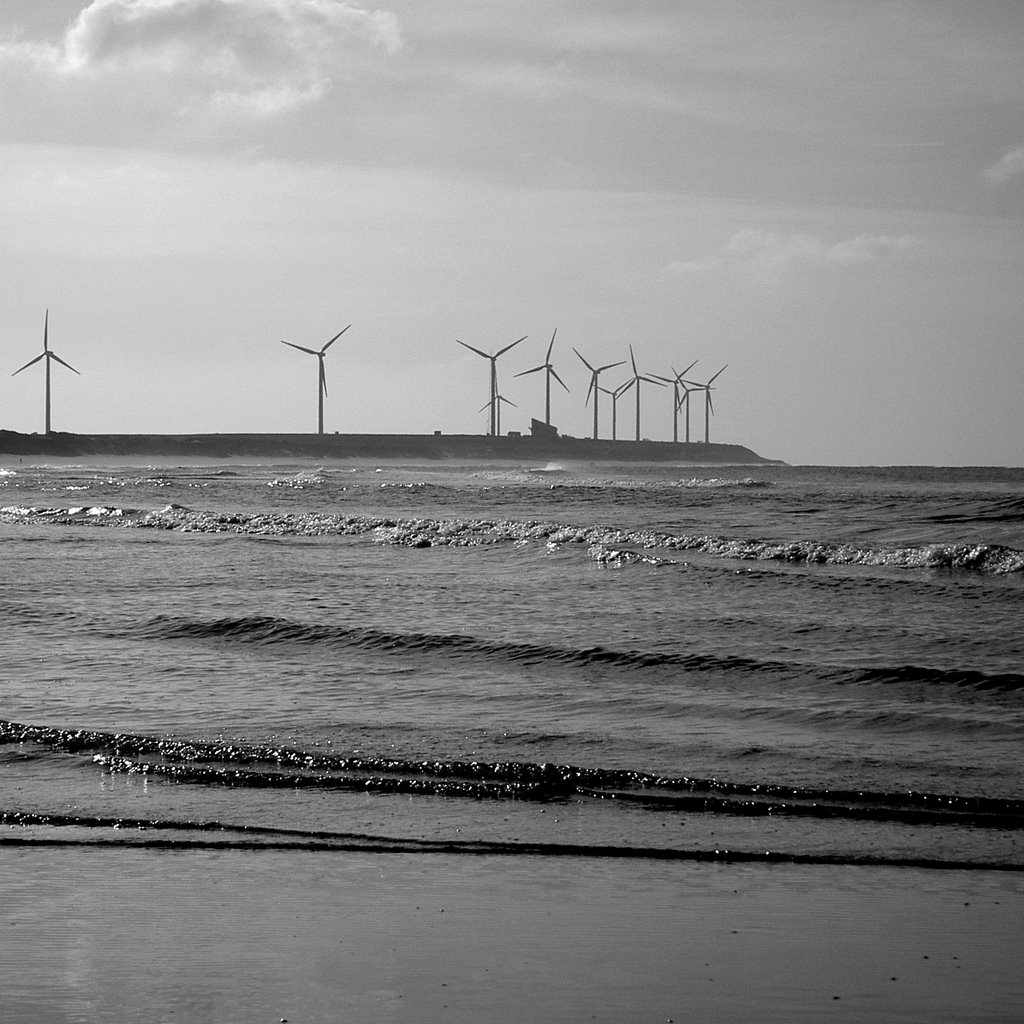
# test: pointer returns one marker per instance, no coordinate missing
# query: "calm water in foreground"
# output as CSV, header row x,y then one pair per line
x,y
574,660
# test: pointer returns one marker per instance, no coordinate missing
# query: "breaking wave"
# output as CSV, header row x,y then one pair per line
x,y
426,532
243,765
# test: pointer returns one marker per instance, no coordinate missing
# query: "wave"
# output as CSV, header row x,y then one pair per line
x,y
1006,510
424,532
558,476
216,835
300,481
271,630
255,766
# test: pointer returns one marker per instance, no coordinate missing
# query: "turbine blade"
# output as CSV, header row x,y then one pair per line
x,y
590,390
502,398
632,359
53,355
301,348
323,377
623,388
724,368
585,363
689,368
471,349
29,363
335,338
525,372
46,331
547,358
601,369
502,351
652,380
711,405
559,379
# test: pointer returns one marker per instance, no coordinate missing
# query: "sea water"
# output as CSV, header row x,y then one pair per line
x,y
662,661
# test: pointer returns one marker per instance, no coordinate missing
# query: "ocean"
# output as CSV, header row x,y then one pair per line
x,y
729,663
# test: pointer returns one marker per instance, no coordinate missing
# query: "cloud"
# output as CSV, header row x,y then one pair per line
x,y
262,56
759,250
1009,165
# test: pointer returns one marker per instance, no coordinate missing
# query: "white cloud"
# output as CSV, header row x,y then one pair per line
x,y
759,250
1009,165
260,55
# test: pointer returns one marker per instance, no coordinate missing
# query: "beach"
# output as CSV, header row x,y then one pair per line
x,y
105,935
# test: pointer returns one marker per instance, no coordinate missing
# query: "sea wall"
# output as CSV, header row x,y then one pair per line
x,y
471,447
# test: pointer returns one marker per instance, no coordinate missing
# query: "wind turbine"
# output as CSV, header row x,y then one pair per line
x,y
495,408
637,378
708,407
548,374
493,401
685,400
593,389
676,380
322,378
48,356
615,396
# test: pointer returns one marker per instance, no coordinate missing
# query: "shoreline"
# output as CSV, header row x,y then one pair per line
x,y
111,935
432,447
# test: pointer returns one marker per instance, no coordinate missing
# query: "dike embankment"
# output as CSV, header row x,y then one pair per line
x,y
467,447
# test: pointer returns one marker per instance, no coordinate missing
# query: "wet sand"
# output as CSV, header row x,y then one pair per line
x,y
114,934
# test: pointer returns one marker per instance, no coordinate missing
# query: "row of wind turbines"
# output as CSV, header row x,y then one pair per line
x,y
682,387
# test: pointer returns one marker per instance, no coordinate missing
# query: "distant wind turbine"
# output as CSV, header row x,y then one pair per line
x,y
549,372
685,400
594,389
636,381
616,394
495,408
708,407
677,382
494,399
322,377
48,356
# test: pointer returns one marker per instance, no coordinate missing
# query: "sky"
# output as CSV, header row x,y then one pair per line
x,y
825,197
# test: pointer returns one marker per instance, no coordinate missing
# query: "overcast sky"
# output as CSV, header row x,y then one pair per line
x,y
826,196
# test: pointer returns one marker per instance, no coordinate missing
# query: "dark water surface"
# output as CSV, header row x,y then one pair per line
x,y
748,662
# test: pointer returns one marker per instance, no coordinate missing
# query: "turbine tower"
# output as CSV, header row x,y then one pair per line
x,y
493,400
676,380
593,389
549,372
637,378
322,377
708,407
48,356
